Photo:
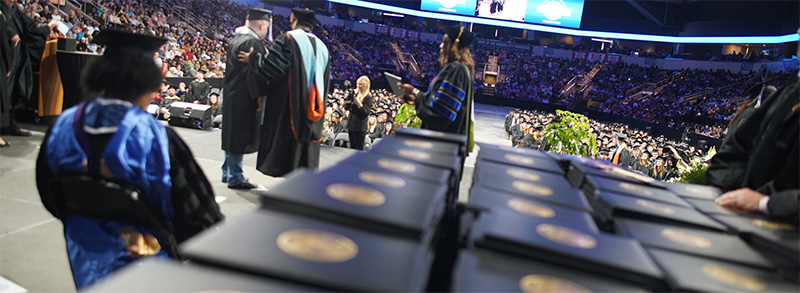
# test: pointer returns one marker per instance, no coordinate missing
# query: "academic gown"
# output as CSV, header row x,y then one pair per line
x,y
764,154
242,87
140,152
447,105
198,92
530,142
5,63
289,139
27,55
625,158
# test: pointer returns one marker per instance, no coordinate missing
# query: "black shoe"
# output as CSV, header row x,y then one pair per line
x,y
14,131
246,185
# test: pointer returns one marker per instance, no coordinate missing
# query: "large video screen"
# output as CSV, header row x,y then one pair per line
x,y
565,13
463,7
502,9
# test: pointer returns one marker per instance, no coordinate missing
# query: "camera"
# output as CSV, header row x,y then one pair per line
x,y
349,92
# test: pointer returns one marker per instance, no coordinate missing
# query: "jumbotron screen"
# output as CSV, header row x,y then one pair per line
x,y
565,13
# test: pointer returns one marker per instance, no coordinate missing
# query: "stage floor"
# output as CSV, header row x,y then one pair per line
x,y
32,249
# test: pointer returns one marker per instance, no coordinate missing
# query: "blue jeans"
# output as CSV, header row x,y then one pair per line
x,y
232,169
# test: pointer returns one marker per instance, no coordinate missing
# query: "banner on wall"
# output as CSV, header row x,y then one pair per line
x,y
381,29
597,57
579,55
412,35
398,32
613,58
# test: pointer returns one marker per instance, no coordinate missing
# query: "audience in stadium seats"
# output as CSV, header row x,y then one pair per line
x,y
201,49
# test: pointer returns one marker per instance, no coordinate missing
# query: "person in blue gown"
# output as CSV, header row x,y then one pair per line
x,y
112,137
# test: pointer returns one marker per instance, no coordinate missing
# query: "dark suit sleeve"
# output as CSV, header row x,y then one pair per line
x,y
784,205
363,111
193,201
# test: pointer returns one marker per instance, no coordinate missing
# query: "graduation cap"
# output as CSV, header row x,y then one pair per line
x,y
259,14
539,127
460,36
622,136
304,15
120,43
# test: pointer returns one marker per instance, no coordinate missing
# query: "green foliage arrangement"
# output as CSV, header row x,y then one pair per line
x,y
569,134
696,174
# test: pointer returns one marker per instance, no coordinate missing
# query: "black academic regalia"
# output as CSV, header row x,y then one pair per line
x,y
289,139
738,121
198,91
22,60
507,124
530,142
435,112
242,87
625,158
193,201
5,63
27,55
517,135
763,154
646,170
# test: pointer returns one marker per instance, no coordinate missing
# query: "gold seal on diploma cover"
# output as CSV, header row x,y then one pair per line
x,y
532,188
655,206
382,179
318,246
687,239
414,154
418,144
355,194
733,279
523,174
566,236
519,159
531,209
548,284
396,165
636,189
772,225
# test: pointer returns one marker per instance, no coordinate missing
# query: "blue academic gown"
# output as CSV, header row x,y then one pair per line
x,y
137,153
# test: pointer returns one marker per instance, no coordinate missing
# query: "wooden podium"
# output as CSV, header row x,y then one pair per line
x,y
49,92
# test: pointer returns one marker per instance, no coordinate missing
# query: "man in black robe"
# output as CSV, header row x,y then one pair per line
x,y
26,40
448,105
759,166
297,69
242,105
621,156
5,62
198,90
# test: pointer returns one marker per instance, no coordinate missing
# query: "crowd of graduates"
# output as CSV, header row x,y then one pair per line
x,y
617,143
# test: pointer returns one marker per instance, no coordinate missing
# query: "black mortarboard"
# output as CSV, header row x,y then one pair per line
x,y
259,14
305,15
459,35
539,127
119,43
622,136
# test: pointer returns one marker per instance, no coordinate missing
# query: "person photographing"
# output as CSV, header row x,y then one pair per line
x,y
361,102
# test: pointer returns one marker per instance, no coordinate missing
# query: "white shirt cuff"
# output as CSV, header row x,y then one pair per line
x,y
762,205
